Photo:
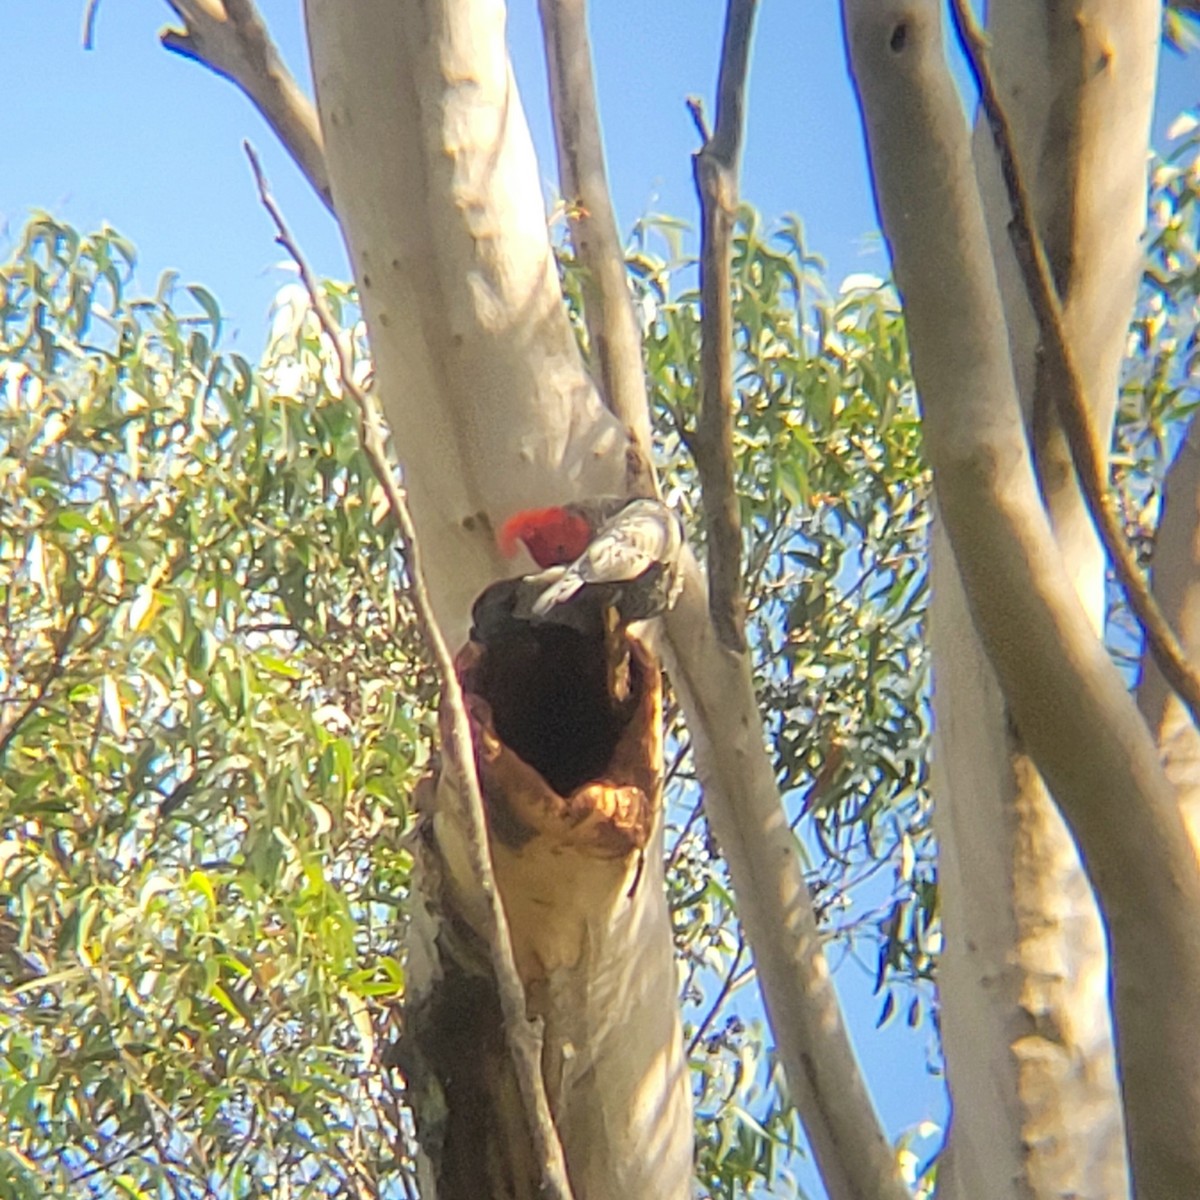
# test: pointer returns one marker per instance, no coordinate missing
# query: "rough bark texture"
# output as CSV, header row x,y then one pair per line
x,y
1065,699
716,166
491,410
581,880
1026,978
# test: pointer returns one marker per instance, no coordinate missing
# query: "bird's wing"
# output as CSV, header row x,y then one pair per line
x,y
643,533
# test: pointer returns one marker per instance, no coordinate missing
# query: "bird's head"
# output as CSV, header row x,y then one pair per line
x,y
553,536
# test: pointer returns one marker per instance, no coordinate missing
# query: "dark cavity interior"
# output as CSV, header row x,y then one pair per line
x,y
547,685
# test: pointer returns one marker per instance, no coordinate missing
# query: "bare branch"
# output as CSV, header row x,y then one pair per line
x,y
612,327
524,1041
90,12
1066,381
731,976
715,166
742,801
230,38
742,804
10,726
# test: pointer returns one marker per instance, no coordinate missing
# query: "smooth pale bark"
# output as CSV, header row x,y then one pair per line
x,y
616,340
491,410
437,189
742,804
1024,982
1063,693
1177,588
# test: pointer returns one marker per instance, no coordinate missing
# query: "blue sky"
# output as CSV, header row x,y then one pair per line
x,y
132,135
150,143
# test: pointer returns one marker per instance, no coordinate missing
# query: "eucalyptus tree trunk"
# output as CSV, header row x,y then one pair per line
x,y
423,150
1023,981
1026,703
438,194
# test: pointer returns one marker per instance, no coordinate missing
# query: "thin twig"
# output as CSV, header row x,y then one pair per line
x,y
715,167
231,38
727,986
90,13
459,756
616,341
1067,384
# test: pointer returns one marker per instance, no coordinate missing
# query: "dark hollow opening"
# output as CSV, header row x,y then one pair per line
x,y
547,685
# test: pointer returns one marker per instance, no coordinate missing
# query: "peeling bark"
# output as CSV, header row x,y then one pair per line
x,y
580,885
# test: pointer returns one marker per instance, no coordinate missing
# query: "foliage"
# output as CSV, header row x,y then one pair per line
x,y
833,491
211,713
213,708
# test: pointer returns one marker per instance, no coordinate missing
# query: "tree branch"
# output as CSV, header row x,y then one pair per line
x,y
499,417
230,38
1065,380
612,327
745,814
1176,564
1176,572
1067,699
715,166
524,1040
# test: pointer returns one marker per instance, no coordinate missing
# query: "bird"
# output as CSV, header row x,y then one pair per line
x,y
608,552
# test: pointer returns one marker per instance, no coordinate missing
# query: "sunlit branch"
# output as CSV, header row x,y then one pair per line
x,y
1067,384
616,341
715,167
231,38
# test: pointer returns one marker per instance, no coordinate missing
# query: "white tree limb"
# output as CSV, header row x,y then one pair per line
x,y
492,411
1066,697
480,378
1065,382
745,813
524,1044
616,341
1026,1024
741,796
1176,570
230,38
715,167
